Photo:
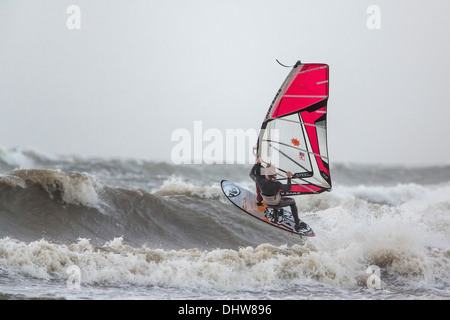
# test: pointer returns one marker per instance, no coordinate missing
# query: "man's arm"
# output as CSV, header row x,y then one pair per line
x,y
255,173
287,187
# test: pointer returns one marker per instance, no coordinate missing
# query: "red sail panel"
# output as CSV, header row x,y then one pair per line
x,y
305,189
310,118
289,105
306,86
293,136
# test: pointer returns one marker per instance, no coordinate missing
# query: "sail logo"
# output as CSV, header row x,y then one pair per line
x,y
295,142
301,156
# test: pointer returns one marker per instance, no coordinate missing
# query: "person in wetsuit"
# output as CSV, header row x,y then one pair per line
x,y
271,189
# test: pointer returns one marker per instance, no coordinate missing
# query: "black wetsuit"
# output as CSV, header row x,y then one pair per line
x,y
272,188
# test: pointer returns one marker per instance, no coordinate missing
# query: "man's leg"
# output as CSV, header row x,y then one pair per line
x,y
259,198
285,201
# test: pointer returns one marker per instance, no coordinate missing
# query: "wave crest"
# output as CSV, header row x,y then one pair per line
x,y
71,188
175,186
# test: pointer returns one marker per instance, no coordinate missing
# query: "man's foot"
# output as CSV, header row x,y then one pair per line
x,y
259,204
300,226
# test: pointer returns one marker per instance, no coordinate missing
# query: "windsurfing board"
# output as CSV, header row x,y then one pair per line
x,y
247,201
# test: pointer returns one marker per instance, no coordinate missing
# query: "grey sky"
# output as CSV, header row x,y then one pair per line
x,y
138,70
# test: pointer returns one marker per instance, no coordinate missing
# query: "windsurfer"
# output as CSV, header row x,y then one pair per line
x,y
270,189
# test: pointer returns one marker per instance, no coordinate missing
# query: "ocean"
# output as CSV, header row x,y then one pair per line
x,y
75,227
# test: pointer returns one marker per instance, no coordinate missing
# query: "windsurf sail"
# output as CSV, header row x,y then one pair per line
x,y
293,135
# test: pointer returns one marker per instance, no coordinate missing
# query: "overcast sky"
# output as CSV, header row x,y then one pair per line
x,y
135,71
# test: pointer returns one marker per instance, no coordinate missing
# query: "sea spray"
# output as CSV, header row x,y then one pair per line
x,y
155,230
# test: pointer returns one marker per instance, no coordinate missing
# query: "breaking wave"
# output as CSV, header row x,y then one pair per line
x,y
129,222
